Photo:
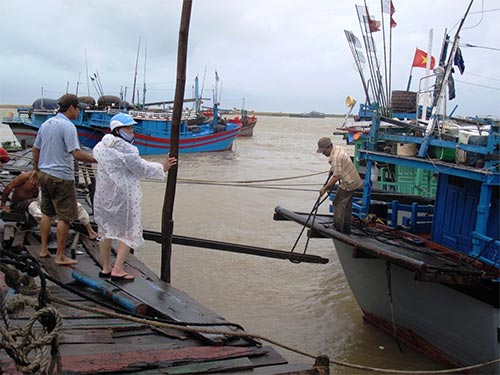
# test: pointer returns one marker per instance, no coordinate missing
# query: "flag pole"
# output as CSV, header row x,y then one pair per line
x,y
426,99
409,78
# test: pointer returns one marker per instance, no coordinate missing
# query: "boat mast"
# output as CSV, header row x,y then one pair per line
x,y
167,222
440,89
135,70
87,73
144,88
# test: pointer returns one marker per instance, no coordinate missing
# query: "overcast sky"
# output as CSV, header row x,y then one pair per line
x,y
280,55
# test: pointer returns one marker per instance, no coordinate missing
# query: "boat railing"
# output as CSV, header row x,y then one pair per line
x,y
164,116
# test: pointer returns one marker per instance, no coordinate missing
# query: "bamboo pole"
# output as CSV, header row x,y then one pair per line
x,y
168,202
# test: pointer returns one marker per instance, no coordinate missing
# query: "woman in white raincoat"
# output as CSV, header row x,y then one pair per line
x,y
117,199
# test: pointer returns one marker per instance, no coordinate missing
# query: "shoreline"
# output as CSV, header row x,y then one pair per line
x,y
257,113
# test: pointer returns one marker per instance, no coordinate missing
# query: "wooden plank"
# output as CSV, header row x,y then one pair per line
x,y
211,366
124,361
139,268
173,303
271,358
90,336
289,369
58,272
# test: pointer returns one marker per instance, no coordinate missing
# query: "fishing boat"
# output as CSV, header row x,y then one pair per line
x,y
427,273
247,123
152,132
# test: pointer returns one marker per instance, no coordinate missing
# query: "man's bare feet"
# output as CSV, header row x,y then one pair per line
x,y
65,261
44,254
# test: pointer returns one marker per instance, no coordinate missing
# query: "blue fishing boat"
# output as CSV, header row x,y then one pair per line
x,y
426,273
152,132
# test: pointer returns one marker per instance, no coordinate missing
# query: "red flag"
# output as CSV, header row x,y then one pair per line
x,y
388,7
420,59
393,23
374,25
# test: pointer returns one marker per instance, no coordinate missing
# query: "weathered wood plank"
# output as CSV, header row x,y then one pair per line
x,y
271,358
174,304
58,272
138,268
90,336
123,361
211,366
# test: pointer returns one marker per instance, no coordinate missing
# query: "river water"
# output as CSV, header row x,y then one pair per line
x,y
306,306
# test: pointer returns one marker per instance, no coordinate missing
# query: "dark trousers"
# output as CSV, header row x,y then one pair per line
x,y
342,210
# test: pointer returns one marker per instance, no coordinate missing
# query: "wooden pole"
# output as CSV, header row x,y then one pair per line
x,y
167,224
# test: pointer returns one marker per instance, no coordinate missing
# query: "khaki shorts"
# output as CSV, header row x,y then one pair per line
x,y
58,198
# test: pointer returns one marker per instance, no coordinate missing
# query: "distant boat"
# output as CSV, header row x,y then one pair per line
x,y
152,132
312,114
248,123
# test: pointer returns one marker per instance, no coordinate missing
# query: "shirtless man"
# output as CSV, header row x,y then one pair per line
x,y
24,191
25,198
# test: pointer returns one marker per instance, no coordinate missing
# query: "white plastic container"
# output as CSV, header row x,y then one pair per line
x,y
406,149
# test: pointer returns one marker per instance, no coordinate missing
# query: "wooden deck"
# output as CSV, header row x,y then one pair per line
x,y
100,341
90,342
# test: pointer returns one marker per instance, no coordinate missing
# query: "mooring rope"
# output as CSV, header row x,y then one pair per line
x,y
266,339
21,342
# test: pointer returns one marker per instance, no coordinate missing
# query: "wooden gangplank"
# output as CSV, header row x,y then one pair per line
x,y
163,300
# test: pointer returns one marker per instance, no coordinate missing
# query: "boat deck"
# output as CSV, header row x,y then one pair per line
x,y
142,327
430,261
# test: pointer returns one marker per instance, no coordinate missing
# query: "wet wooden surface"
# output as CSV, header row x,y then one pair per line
x,y
93,343
90,342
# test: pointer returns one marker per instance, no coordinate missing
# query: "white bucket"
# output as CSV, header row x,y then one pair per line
x,y
406,149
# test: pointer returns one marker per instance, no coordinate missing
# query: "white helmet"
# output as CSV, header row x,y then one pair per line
x,y
121,119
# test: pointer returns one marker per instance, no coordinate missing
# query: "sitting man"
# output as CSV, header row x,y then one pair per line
x,y
24,198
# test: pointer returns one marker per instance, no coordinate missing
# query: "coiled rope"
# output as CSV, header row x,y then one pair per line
x,y
21,342
29,346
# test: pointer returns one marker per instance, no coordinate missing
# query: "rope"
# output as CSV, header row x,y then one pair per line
x,y
253,181
49,317
90,171
263,338
313,213
21,342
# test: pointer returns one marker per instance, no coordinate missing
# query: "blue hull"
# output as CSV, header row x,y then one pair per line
x,y
152,136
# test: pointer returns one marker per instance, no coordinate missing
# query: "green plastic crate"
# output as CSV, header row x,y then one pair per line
x,y
415,181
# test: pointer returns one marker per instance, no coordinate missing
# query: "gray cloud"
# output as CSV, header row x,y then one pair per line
x,y
279,55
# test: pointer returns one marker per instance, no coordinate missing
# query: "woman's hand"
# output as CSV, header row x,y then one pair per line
x,y
168,163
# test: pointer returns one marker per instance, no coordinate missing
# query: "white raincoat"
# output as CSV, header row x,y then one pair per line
x,y
118,195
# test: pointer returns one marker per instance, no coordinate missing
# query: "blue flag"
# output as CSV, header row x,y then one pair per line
x,y
459,61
